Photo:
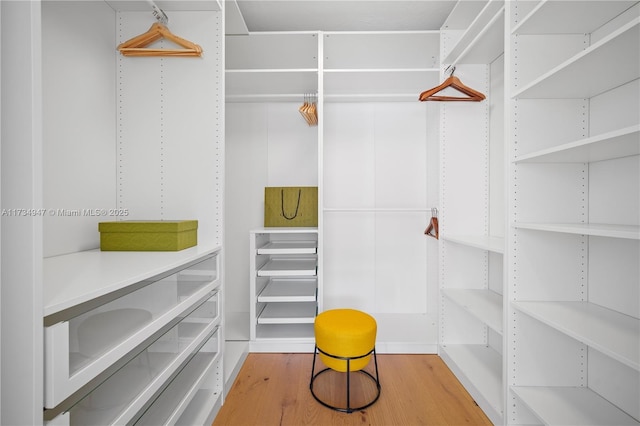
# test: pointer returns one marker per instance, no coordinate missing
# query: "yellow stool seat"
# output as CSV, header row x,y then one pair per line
x,y
345,342
345,333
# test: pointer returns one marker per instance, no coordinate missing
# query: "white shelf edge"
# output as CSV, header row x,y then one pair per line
x,y
73,279
293,331
479,369
540,81
485,305
288,313
376,210
304,290
580,150
543,4
271,71
571,405
612,333
493,244
289,247
594,229
480,26
379,70
280,267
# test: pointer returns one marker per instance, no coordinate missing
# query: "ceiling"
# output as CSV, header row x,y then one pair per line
x,y
243,16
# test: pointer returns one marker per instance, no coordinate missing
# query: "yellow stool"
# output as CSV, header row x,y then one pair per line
x,y
345,342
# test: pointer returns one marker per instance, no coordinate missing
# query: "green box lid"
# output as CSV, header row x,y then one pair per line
x,y
143,226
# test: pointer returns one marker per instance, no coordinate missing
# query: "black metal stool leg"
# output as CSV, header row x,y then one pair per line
x,y
348,408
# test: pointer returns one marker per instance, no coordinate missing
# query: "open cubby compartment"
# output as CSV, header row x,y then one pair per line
x,y
472,321
272,50
122,393
379,65
558,380
277,66
286,241
577,65
85,340
290,289
381,50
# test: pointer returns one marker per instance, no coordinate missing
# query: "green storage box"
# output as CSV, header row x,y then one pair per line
x,y
148,235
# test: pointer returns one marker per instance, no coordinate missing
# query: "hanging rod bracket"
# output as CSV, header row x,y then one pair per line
x,y
159,13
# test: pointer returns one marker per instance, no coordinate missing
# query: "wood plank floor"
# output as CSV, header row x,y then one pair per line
x,y
273,389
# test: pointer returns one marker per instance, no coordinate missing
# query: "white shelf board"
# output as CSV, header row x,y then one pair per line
x,y
175,399
73,279
463,14
615,144
590,72
281,267
596,229
289,290
166,5
486,305
483,41
479,368
571,406
286,332
559,17
493,244
288,313
289,247
610,332
285,230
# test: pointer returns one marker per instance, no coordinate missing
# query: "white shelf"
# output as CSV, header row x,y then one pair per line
x,y
479,369
77,278
493,244
288,313
289,247
559,17
483,41
289,290
590,72
176,398
596,229
485,305
281,267
463,14
616,144
286,332
610,332
571,406
120,398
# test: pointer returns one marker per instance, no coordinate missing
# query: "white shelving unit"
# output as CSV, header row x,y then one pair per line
x,y
573,212
284,287
472,200
127,122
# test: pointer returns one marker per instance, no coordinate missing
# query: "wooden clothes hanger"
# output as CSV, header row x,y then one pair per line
x,y
137,46
309,111
433,228
455,83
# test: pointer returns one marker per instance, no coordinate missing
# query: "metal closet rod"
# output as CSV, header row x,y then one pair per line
x,y
158,13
